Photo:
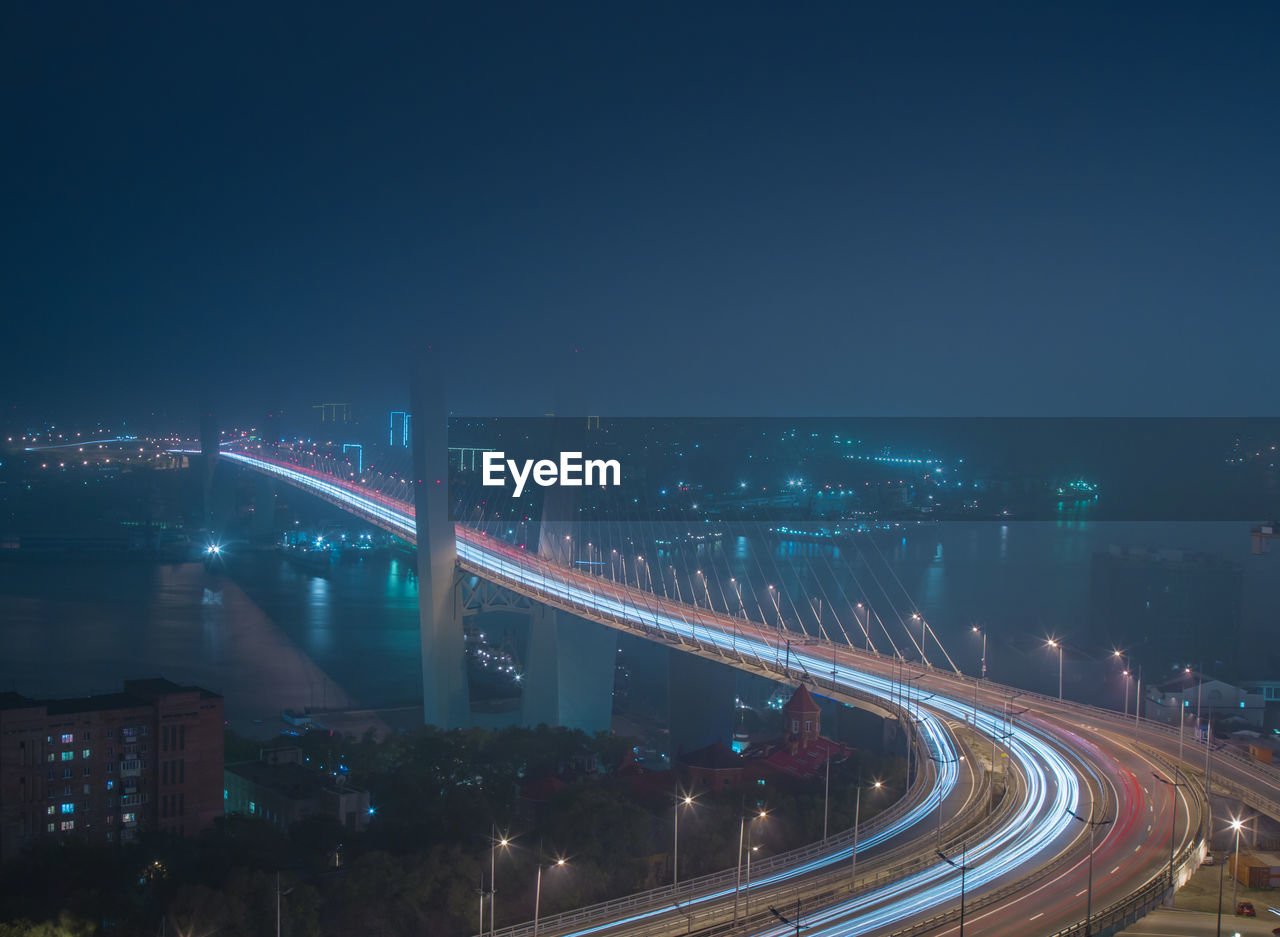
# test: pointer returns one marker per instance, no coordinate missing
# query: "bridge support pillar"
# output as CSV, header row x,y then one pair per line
x,y
569,672
210,439
445,701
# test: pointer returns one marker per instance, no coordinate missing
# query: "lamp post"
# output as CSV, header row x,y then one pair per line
x,y
537,894
983,632
1137,703
1221,865
684,801
1088,905
494,843
1120,656
744,828
857,816
773,594
963,868
1237,825
746,894
706,589
1057,646
826,796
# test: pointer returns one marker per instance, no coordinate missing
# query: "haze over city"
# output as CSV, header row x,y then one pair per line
x,y
919,365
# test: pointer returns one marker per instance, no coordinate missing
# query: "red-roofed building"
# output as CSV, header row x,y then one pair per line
x,y
799,754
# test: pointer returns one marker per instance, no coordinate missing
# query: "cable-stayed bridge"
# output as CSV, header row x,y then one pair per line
x,y
1028,868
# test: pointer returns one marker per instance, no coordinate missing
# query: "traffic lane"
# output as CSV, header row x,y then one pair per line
x,y
912,902
1167,923
922,835
1124,859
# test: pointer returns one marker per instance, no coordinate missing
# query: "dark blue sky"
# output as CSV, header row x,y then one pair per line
x,y
723,208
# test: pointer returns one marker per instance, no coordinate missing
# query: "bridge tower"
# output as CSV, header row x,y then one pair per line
x,y
445,701
210,438
571,662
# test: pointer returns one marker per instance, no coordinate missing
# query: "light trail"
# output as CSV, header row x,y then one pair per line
x,y
1053,786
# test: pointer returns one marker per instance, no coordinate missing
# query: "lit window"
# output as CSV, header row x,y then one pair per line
x,y
68,825
86,753
127,817
67,756
68,738
50,757
69,808
50,827
50,810
111,785
253,808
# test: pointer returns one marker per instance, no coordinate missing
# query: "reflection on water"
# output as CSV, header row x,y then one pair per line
x,y
284,638
280,638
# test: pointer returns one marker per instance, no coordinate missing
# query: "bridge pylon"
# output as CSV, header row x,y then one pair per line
x,y
445,700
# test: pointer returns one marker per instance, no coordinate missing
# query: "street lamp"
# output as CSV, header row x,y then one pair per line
x,y
983,632
1123,658
1057,645
1088,906
494,843
537,895
681,801
963,868
706,589
745,826
857,816
1237,825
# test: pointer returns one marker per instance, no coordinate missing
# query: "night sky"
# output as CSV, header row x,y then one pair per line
x,y
714,208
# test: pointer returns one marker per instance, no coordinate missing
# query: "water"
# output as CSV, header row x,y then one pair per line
x,y
279,638
283,637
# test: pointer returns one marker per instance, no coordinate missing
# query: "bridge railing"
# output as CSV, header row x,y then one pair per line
x,y
815,891
834,888
383,502
691,889
1104,923
710,618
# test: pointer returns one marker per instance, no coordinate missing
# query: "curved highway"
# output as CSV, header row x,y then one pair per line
x,y
1028,874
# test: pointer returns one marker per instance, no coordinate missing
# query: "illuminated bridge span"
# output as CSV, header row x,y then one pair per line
x,y
1028,871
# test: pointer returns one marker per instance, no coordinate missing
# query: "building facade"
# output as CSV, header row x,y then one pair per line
x,y
110,767
281,789
1190,693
